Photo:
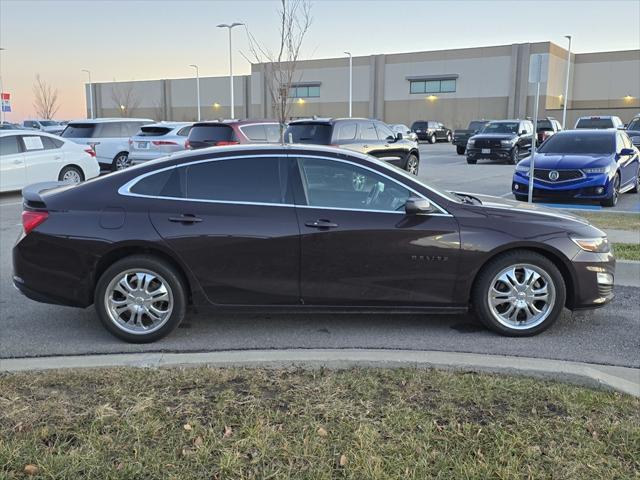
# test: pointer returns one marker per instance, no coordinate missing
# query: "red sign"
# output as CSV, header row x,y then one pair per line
x,y
5,96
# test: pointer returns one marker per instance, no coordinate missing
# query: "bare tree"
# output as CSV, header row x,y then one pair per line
x,y
46,99
279,72
125,98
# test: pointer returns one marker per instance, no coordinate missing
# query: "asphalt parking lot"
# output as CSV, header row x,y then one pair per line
x,y
609,336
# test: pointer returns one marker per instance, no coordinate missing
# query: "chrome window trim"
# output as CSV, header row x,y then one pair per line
x,y
125,190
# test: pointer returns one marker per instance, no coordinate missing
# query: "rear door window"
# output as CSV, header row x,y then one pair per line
x,y
184,131
384,132
254,180
9,145
110,130
255,133
368,131
50,143
314,133
32,143
211,133
79,130
153,131
346,131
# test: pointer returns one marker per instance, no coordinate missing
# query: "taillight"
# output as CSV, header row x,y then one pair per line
x,y
130,142
221,143
187,145
31,220
163,142
90,151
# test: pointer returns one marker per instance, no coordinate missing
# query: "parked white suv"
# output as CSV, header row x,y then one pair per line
x,y
109,138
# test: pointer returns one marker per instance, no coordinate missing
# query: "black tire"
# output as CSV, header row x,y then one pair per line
x,y
73,171
479,294
156,266
120,161
412,160
471,161
432,139
612,201
460,150
448,137
515,156
635,189
520,197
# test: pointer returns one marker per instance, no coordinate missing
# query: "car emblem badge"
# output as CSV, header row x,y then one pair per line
x,y
553,175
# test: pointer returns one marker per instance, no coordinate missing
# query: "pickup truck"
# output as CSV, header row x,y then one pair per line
x,y
460,137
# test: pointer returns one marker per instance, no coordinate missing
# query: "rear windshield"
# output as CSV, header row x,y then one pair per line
x,y
315,133
153,131
419,125
211,133
79,130
579,143
595,123
501,127
544,125
477,125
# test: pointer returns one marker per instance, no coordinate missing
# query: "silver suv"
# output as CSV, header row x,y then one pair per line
x,y
157,140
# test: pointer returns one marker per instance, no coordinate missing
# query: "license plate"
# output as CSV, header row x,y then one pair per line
x,y
418,131
486,150
143,144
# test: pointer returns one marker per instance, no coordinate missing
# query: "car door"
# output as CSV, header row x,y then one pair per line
x,y
441,132
369,141
13,175
43,160
235,228
108,142
525,136
394,151
628,164
360,248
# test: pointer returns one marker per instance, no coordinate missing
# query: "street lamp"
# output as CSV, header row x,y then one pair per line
x,y
197,87
566,84
1,91
90,91
224,25
350,82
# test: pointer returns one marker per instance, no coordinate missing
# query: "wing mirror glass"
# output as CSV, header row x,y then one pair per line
x,y
523,132
417,205
626,152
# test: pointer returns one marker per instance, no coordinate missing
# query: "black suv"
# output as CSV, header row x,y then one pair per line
x,y
361,135
506,140
431,131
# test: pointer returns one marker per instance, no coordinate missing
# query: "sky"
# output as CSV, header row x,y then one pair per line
x,y
149,39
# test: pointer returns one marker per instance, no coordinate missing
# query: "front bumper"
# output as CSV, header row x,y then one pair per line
x,y
593,187
594,279
493,153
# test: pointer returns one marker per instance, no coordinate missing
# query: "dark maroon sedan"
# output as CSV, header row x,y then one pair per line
x,y
299,227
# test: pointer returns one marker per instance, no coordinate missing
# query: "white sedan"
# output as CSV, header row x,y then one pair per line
x,y
28,157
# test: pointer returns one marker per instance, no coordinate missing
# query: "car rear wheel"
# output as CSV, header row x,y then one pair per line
x,y
140,299
432,138
449,137
519,293
612,201
71,174
460,150
412,164
120,162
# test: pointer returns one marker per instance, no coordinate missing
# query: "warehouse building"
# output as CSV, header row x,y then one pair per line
x,y
452,86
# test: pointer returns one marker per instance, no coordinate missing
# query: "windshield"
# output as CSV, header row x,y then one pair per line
x,y
579,143
634,124
315,133
477,125
48,123
595,123
501,127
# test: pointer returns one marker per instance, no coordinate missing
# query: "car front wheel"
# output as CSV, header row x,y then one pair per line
x,y
412,164
515,156
612,201
519,293
460,149
140,299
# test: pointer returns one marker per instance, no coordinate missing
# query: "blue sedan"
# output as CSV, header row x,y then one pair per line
x,y
596,165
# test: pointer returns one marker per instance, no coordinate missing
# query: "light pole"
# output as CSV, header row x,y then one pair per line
x,y
1,91
350,83
90,91
224,25
197,88
566,85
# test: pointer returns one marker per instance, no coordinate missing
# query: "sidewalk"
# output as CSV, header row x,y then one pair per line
x,y
623,236
623,379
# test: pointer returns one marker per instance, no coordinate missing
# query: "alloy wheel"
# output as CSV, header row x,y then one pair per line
x,y
521,296
122,162
71,176
138,301
412,165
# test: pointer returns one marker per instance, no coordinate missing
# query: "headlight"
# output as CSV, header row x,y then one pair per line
x,y
598,244
522,168
471,142
596,170
506,143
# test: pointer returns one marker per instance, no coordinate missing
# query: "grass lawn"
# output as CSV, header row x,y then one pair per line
x,y
626,251
618,221
209,423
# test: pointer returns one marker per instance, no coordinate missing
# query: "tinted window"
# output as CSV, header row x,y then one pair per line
x,y
579,143
79,130
9,145
238,180
544,126
211,133
346,131
50,143
594,123
419,125
368,131
634,124
503,127
110,130
476,125
161,184
344,185
153,131
384,132
184,131
273,132
48,123
316,133
255,133
129,129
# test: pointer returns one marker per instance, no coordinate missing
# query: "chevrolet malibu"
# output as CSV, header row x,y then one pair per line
x,y
299,228
596,165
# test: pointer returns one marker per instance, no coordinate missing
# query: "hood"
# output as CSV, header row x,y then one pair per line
x,y
554,161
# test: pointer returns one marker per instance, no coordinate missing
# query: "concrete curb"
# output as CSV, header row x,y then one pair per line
x,y
623,379
627,273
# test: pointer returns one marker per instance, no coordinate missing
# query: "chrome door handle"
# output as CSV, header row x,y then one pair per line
x,y
321,223
185,219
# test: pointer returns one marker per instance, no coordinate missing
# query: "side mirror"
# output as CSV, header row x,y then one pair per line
x,y
417,205
399,136
625,152
523,132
